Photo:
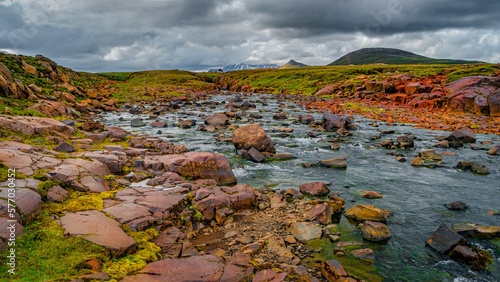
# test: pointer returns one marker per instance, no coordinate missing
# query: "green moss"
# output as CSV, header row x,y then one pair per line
x,y
146,252
40,250
44,186
4,173
79,201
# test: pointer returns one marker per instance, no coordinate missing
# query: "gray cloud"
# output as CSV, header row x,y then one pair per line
x,y
120,35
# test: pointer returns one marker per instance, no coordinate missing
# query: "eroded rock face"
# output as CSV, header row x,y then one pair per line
x,y
248,136
195,165
100,230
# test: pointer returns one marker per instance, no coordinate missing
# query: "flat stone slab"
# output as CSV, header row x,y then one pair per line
x,y
26,163
127,212
306,231
29,202
199,268
35,125
82,175
99,229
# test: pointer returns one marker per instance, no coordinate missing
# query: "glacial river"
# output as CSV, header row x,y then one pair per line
x,y
417,195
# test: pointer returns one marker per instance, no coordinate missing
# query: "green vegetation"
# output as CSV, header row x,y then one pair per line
x,y
116,76
390,56
41,248
309,80
79,201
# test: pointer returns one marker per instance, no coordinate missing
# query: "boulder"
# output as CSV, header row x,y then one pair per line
x,y
217,119
375,231
323,213
368,213
196,165
159,124
332,270
254,155
334,163
28,202
457,206
53,109
333,123
82,175
444,239
65,147
99,229
476,230
462,135
314,189
306,231
307,119
494,103
248,136
137,123
280,116
495,150
238,268
478,259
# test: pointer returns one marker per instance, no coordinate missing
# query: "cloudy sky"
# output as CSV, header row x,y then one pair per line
x,y
128,35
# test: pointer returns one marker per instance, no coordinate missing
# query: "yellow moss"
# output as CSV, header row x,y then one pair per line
x,y
146,252
81,202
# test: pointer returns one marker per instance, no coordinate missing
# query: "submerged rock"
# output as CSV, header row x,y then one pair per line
x,y
477,231
444,239
476,258
334,163
457,206
375,231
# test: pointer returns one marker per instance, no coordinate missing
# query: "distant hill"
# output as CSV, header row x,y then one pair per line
x,y
391,57
293,64
244,66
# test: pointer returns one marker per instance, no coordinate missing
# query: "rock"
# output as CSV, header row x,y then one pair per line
x,y
196,165
477,231
222,214
198,268
82,175
290,239
269,275
462,135
332,270
307,119
494,103
334,122
276,244
28,202
5,229
457,206
157,124
495,150
278,201
279,116
245,239
371,195
167,241
364,254
99,276
323,213
442,145
65,147
238,268
35,126
430,156
217,119
185,124
334,163
306,231
478,260
254,155
479,168
99,229
137,123
57,194
444,239
188,250
368,213
375,231
248,136
126,212
314,189
53,109
294,194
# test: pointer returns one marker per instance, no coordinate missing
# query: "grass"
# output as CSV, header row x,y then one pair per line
x,y
309,80
40,249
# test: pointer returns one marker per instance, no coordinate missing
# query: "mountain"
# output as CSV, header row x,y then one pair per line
x,y
244,66
391,56
293,64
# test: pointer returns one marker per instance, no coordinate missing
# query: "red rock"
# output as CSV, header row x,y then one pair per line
x,y
217,119
35,126
323,213
371,195
333,271
238,268
100,230
375,231
253,135
314,189
199,268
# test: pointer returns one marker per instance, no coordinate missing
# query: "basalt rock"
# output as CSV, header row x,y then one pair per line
x,y
253,135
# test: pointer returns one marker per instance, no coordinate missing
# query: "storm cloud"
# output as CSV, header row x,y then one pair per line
x,y
124,35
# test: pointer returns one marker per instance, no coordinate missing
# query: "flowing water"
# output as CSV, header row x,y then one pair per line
x,y
417,195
